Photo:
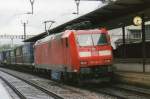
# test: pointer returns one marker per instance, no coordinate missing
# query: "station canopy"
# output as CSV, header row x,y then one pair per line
x,y
111,16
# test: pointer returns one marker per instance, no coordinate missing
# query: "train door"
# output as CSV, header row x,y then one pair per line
x,y
66,53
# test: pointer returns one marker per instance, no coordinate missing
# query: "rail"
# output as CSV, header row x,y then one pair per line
x,y
55,96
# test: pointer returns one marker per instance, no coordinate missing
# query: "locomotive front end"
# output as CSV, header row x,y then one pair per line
x,y
94,53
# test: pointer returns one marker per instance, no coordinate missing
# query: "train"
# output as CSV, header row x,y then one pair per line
x,y
73,54
21,55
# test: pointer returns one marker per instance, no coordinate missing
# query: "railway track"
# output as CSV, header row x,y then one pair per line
x,y
106,92
124,91
26,89
65,91
21,96
143,91
110,93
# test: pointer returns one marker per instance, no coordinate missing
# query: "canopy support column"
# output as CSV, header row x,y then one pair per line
x,y
123,41
143,42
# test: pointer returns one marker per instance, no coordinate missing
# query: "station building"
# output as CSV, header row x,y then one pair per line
x,y
133,35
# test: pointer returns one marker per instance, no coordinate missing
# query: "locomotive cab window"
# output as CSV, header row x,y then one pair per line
x,y
100,39
92,39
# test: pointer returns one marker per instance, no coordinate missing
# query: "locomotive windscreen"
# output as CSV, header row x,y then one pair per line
x,y
92,39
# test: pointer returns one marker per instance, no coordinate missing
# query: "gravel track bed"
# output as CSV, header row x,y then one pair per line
x,y
10,91
27,90
70,92
67,92
123,93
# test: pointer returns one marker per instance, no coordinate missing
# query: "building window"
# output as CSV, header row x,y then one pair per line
x,y
136,34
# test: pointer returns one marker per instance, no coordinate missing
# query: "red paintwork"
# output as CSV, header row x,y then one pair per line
x,y
55,52
95,59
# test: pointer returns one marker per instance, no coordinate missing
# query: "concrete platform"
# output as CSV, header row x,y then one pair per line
x,y
4,93
131,65
130,70
135,78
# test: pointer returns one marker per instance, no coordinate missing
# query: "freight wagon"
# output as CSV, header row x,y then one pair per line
x,y
18,55
13,57
8,57
27,53
1,57
21,55
5,57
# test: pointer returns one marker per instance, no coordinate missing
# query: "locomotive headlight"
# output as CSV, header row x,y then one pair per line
x,y
104,52
84,54
75,70
83,62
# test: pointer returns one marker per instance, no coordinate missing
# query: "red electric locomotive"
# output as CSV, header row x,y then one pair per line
x,y
84,54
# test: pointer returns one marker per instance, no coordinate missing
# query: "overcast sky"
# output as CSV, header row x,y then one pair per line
x,y
12,14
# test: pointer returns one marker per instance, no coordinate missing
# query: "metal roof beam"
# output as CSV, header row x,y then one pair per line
x,y
128,5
